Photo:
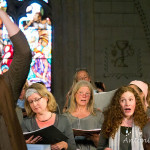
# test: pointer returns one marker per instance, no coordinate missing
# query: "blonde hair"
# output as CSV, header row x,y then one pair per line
x,y
25,85
73,104
42,91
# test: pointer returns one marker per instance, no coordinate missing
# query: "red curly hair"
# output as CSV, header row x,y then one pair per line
x,y
113,114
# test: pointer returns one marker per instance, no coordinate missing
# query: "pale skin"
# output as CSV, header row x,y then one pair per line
x,y
9,24
82,75
128,104
82,99
42,113
38,18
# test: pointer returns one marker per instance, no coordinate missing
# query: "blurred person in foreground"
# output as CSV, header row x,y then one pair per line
x,y
11,83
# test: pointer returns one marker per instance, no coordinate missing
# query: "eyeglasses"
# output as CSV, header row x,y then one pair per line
x,y
84,94
83,78
36,100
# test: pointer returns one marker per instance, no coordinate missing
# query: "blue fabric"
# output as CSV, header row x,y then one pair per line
x,y
20,103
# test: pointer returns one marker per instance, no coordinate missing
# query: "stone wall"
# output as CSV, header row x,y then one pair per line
x,y
121,47
111,38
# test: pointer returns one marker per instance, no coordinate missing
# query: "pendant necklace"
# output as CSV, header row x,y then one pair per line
x,y
127,131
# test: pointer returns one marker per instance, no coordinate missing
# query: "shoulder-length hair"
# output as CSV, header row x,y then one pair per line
x,y
73,103
113,114
43,92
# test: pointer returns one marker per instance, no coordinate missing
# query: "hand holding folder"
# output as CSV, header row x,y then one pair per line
x,y
49,135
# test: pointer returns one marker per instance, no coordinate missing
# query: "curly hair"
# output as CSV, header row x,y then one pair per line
x,y
113,114
148,95
42,91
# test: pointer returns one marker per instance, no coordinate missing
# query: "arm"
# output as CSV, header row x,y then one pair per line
x,y
100,117
28,24
59,146
27,126
19,68
95,139
10,26
69,134
65,127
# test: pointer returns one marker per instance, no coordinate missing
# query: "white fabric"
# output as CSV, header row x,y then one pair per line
x,y
136,140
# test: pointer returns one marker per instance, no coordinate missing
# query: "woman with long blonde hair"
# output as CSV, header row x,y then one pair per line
x,y
40,107
83,115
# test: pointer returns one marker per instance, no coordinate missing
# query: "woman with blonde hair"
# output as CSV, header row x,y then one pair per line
x,y
40,107
124,120
80,74
82,114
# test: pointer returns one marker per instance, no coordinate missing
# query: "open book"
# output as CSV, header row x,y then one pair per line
x,y
50,135
103,99
80,132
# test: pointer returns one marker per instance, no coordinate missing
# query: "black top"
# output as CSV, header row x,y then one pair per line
x,y
125,139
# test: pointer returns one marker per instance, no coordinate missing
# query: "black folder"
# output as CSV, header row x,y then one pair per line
x,y
80,132
50,135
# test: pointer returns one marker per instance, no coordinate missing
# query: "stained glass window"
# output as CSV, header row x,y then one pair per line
x,y
38,31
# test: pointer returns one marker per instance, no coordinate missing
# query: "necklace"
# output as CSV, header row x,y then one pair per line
x,y
45,120
127,131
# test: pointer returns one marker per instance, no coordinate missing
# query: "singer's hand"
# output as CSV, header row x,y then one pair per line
x,y
33,140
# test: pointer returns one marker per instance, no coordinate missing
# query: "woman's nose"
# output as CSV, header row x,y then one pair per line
x,y
127,103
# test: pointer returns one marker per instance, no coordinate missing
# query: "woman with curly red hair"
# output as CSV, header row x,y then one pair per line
x,y
124,119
